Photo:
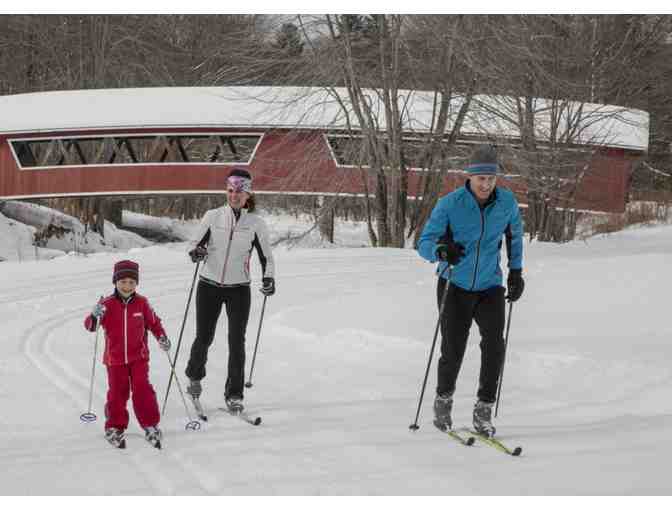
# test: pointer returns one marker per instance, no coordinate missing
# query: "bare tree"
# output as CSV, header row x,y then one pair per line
x,y
374,67
553,70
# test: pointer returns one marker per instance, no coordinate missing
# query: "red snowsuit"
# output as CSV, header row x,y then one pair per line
x,y
126,322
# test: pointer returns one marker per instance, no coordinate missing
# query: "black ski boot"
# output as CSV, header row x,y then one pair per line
x,y
443,406
234,404
483,419
194,389
116,437
153,436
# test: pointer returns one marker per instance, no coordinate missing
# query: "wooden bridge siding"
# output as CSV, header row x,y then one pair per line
x,y
285,161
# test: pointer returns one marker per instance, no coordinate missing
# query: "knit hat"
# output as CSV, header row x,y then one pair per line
x,y
483,161
126,269
240,180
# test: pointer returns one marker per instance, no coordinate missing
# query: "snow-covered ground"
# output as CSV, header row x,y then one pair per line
x,y
342,354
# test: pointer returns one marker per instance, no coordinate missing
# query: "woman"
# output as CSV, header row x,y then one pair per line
x,y
224,241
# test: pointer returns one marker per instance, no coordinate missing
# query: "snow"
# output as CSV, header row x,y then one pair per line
x,y
169,227
294,107
17,234
342,354
17,239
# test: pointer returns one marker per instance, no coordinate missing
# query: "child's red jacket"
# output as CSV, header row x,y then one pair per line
x,y
126,323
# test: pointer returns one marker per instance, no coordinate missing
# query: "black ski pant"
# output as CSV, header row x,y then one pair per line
x,y
209,301
462,307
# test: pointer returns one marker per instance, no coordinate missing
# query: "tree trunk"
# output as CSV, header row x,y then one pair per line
x,y
325,219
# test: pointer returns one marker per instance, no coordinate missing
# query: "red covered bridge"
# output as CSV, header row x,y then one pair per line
x,y
180,140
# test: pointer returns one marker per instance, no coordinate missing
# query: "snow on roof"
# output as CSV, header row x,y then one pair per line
x,y
295,107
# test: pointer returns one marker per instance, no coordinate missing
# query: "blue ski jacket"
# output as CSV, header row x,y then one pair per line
x,y
459,217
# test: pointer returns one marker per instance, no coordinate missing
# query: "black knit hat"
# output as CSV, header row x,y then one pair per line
x,y
484,160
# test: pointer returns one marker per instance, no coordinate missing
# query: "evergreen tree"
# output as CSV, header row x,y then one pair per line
x,y
288,39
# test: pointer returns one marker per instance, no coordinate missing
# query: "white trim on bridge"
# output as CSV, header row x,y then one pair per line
x,y
311,108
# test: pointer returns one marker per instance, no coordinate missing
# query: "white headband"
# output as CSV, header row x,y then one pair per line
x,y
239,183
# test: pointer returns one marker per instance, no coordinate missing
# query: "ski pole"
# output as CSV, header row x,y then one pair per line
x,y
248,384
192,424
179,341
89,416
506,343
414,426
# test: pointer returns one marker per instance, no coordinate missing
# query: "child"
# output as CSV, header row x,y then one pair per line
x,y
126,316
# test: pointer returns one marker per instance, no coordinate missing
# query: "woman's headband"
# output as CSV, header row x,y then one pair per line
x,y
238,183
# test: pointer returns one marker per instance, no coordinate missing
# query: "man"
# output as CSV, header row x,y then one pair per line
x,y
464,234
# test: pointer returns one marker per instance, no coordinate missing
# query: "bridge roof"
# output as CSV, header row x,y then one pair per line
x,y
297,107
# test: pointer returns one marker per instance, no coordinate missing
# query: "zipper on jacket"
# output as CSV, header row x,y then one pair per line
x,y
478,247
228,246
126,332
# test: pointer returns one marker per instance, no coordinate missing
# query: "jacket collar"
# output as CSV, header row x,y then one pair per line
x,y
238,215
122,299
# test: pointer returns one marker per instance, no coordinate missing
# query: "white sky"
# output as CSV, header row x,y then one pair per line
x,y
350,6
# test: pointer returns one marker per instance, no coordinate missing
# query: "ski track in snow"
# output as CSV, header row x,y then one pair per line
x,y
35,346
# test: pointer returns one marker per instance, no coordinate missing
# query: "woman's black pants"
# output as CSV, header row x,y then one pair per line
x,y
209,301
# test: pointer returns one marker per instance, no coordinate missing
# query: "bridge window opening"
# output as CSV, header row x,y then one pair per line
x,y
135,149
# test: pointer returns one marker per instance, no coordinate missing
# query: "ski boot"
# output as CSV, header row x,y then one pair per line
x,y
153,436
482,419
234,404
443,406
194,389
116,437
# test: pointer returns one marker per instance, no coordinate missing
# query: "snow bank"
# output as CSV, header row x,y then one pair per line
x,y
162,228
291,231
16,240
57,233
300,232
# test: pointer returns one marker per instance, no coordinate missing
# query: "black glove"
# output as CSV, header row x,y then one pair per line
x,y
198,254
164,343
515,284
268,286
450,252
